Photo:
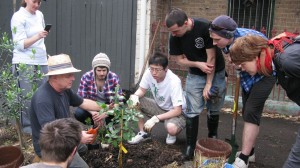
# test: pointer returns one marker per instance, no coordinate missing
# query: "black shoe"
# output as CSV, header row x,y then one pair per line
x,y
93,146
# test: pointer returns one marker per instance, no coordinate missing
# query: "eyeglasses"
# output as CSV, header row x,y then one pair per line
x,y
155,69
215,27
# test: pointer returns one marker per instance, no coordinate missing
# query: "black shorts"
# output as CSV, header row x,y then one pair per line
x,y
254,101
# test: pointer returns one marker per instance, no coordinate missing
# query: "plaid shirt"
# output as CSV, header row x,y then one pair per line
x,y
88,89
247,81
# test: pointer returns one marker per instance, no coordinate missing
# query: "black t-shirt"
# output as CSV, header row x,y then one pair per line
x,y
48,105
194,44
288,71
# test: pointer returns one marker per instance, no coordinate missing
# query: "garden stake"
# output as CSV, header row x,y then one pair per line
x,y
121,147
234,118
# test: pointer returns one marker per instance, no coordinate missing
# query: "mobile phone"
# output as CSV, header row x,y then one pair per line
x,y
48,27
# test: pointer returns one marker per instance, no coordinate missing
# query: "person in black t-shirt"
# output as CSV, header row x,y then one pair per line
x,y
191,45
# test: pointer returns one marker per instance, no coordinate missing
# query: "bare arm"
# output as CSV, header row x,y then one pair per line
x,y
89,105
204,66
170,114
211,59
140,92
93,108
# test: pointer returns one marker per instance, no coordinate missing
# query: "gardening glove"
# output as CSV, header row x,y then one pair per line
x,y
150,123
135,100
213,94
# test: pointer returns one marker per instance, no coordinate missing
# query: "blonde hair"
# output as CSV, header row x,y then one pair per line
x,y
247,48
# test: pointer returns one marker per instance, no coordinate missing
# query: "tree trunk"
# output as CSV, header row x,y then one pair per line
x,y
20,134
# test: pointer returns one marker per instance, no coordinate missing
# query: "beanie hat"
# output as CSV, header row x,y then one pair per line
x,y
101,59
224,26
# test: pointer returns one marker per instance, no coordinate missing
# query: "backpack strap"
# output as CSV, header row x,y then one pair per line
x,y
280,43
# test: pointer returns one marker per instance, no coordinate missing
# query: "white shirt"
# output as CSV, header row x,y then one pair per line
x,y
168,93
24,25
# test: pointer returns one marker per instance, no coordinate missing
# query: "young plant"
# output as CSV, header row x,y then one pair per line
x,y
12,97
123,123
124,118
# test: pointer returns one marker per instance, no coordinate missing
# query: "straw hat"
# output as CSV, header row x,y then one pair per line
x,y
60,64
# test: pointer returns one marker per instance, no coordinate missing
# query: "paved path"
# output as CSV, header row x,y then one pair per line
x,y
273,144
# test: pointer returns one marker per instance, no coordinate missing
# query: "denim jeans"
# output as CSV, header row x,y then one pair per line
x,y
293,159
194,94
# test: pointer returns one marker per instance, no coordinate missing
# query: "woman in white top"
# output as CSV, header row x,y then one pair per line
x,y
28,33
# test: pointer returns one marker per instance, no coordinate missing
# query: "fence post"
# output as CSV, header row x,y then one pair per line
x,y
274,32
263,30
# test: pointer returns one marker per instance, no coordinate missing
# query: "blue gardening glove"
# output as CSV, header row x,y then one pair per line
x,y
150,123
214,93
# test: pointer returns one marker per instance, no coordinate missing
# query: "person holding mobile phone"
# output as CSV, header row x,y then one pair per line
x,y
27,26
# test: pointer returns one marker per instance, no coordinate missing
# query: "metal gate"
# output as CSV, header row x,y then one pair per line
x,y
254,14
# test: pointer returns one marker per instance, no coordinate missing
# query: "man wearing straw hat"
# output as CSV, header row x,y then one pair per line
x,y
53,99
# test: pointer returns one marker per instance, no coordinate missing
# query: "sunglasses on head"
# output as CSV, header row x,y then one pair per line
x,y
215,27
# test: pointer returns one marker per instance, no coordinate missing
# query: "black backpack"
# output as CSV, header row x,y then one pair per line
x,y
287,63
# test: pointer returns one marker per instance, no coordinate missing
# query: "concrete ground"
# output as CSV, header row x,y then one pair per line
x,y
274,142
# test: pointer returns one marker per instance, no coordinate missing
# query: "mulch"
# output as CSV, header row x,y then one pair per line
x,y
151,153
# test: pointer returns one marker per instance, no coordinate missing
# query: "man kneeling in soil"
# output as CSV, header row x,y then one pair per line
x,y
168,104
58,142
53,99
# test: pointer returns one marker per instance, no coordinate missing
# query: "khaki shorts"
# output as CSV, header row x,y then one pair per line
x,y
150,108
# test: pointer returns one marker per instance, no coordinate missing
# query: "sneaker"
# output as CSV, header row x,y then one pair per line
x,y
170,140
141,136
239,163
251,158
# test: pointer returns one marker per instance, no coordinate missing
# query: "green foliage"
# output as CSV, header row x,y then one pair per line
x,y
11,97
124,121
88,122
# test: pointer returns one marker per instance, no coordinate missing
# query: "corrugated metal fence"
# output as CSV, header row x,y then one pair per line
x,y
83,28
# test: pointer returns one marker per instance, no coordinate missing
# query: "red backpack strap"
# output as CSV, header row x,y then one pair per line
x,y
282,40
